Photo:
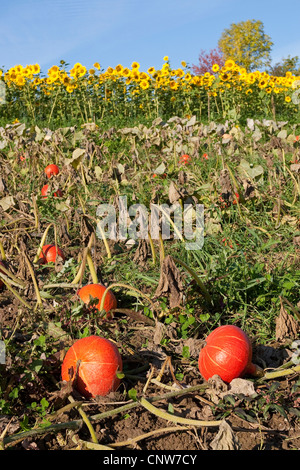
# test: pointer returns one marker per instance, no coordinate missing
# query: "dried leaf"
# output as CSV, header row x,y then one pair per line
x,y
142,252
170,283
159,332
225,439
2,185
286,325
77,156
225,184
160,170
174,194
295,167
7,202
253,172
241,387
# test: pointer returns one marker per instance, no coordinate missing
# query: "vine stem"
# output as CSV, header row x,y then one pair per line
x,y
281,373
37,291
86,420
76,424
176,419
133,440
41,244
10,275
92,267
133,404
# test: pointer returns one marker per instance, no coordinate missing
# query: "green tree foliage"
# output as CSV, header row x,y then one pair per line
x,y
247,44
289,64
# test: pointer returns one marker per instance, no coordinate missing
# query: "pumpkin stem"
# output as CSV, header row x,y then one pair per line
x,y
254,369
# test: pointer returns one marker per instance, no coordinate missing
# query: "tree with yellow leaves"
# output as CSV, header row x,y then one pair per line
x,y
247,44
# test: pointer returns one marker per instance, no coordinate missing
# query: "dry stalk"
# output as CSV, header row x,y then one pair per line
x,y
176,419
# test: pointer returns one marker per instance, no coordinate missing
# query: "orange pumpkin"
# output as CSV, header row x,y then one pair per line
x,y
227,353
96,291
92,364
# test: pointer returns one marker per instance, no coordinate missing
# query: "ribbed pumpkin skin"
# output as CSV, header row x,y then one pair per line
x,y
49,253
96,291
227,353
100,361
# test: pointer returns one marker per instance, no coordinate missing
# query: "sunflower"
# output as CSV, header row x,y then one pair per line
x,y
224,76
173,85
19,68
119,69
229,64
166,58
179,73
126,72
96,65
135,74
82,71
36,68
215,68
65,79
70,88
135,65
54,69
20,81
263,83
287,99
151,70
183,63
144,84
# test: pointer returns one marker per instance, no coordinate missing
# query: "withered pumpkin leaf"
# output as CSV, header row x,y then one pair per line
x,y
286,325
225,439
170,283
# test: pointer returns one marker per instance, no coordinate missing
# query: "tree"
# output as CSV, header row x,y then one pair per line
x,y
289,64
247,44
206,60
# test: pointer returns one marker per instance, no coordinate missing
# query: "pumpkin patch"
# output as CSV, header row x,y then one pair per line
x,y
152,302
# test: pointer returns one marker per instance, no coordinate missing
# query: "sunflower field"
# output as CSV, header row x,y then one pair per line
x,y
79,94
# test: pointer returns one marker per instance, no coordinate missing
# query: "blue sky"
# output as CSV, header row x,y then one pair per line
x,y
115,32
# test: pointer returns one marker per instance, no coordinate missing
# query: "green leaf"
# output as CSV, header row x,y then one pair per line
x,y
185,352
132,394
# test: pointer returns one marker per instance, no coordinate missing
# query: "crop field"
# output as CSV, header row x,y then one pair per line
x,y
86,157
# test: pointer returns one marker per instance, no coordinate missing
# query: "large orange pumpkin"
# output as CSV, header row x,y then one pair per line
x,y
227,353
92,364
